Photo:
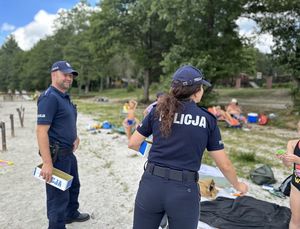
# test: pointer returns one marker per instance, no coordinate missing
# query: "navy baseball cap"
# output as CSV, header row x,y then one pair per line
x,y
189,75
64,67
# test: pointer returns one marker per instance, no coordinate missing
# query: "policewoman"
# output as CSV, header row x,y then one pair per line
x,y
181,132
57,140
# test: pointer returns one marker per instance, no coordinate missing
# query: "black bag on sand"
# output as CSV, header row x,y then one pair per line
x,y
285,186
262,175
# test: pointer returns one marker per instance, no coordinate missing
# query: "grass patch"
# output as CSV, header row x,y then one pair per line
x,y
246,157
125,187
107,164
253,92
133,155
110,111
116,93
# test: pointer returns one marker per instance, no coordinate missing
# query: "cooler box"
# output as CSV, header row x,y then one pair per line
x,y
252,117
60,179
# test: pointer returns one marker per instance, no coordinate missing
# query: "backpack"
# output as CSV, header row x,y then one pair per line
x,y
285,186
262,175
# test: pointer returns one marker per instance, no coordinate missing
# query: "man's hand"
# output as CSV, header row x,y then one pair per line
x,y
75,144
242,188
46,172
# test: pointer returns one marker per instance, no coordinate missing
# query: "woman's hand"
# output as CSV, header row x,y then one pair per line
x,y
290,158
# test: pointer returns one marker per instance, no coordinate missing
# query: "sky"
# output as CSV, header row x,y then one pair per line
x,y
31,20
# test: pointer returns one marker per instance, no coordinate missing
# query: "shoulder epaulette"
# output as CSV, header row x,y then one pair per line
x,y
44,94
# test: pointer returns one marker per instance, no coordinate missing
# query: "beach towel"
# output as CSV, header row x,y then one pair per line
x,y
244,213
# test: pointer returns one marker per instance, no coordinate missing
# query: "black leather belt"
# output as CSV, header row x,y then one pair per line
x,y
65,151
172,174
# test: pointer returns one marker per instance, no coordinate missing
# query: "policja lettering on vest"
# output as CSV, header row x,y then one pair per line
x,y
187,119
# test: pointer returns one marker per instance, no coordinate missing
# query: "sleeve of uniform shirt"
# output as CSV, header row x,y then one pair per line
x,y
214,140
47,107
145,128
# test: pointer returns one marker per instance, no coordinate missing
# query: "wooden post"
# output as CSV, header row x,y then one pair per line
x,y
21,112
11,116
2,126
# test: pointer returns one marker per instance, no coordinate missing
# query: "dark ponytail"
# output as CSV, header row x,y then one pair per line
x,y
171,103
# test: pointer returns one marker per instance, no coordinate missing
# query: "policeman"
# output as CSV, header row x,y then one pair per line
x,y
181,132
57,137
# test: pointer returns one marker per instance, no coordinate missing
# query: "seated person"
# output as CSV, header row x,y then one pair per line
x,y
235,111
149,108
130,121
223,115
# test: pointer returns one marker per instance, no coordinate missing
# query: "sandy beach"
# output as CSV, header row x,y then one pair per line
x,y
109,174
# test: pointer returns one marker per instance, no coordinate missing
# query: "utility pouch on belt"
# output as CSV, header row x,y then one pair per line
x,y
54,148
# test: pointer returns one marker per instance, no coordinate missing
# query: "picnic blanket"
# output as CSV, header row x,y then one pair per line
x,y
244,212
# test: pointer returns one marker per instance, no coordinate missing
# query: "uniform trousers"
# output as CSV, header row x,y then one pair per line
x,y
63,204
180,200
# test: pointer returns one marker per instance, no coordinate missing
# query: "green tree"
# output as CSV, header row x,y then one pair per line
x,y
281,19
37,63
108,44
73,37
148,40
206,36
131,29
10,54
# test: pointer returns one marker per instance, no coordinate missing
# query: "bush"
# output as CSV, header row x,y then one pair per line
x,y
131,88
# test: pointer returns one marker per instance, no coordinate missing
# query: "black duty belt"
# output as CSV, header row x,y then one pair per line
x,y
172,174
64,151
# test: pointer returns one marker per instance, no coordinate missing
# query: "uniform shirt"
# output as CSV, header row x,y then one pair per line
x,y
150,107
56,109
193,131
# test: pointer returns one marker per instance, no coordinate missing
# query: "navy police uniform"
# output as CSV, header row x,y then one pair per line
x,y
56,109
169,183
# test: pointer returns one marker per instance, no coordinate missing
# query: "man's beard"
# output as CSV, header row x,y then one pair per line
x,y
66,86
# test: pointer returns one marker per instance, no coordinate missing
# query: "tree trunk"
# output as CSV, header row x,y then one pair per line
x,y
238,82
146,85
269,81
296,94
87,86
79,88
107,82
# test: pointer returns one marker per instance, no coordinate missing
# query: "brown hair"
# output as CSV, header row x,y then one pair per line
x,y
170,103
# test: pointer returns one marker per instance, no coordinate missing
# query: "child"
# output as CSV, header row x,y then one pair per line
x,y
130,120
292,157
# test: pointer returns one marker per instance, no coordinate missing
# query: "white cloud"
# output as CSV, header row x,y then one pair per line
x,y
264,42
249,29
7,27
40,27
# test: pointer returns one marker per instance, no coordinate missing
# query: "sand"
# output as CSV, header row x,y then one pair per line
x,y
109,174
